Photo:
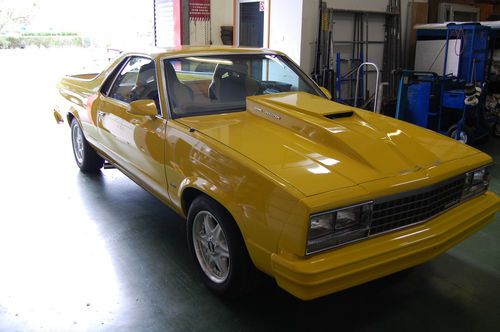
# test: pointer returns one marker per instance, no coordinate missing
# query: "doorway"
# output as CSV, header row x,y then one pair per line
x,y
252,23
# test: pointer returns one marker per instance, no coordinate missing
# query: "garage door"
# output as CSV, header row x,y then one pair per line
x,y
164,23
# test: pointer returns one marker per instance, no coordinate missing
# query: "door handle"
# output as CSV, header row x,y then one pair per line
x,y
100,115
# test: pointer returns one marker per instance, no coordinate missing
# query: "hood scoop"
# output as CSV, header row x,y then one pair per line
x,y
361,136
334,116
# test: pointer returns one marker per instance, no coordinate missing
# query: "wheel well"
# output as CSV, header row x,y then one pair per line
x,y
70,118
190,194
187,198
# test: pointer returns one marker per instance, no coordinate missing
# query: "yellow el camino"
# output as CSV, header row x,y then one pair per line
x,y
271,174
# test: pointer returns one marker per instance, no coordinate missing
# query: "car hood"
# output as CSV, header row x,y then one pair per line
x,y
317,145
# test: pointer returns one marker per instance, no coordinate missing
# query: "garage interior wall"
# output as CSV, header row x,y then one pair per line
x,y
206,33
285,34
166,23
343,26
222,15
299,40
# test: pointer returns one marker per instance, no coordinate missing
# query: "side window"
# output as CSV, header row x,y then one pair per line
x,y
136,81
111,78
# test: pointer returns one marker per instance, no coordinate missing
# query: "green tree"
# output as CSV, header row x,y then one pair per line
x,y
16,14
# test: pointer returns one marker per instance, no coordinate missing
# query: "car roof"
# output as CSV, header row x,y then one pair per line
x,y
200,50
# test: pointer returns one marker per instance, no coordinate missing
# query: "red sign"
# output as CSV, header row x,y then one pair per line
x,y
262,6
199,10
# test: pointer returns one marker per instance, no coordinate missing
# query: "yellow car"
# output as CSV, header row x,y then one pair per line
x,y
271,174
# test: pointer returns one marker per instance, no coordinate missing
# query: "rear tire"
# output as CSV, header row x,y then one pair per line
x,y
218,248
85,156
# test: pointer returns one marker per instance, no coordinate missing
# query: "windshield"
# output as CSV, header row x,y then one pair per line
x,y
199,85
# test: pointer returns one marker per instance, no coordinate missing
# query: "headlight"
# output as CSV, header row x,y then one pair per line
x,y
476,182
333,228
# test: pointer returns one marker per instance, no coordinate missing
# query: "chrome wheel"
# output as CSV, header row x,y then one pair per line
x,y
78,147
211,247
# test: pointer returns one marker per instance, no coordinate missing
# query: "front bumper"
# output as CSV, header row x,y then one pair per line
x,y
337,269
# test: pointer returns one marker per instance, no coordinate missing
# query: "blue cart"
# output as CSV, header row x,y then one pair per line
x,y
449,104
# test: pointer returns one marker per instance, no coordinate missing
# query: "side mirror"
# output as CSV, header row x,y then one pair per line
x,y
326,92
145,107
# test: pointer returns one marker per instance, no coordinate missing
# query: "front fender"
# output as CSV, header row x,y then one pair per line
x,y
210,189
260,219
260,205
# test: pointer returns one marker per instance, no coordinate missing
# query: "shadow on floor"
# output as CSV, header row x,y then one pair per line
x,y
162,290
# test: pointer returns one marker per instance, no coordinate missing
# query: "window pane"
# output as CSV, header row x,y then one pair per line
x,y
136,81
217,84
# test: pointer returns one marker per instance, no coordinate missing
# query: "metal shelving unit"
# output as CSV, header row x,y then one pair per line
x,y
345,79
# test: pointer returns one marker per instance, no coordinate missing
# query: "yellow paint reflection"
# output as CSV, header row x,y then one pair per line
x,y
322,159
318,170
328,161
396,133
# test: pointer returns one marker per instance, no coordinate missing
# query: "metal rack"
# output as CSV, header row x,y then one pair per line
x,y
392,46
349,77
345,80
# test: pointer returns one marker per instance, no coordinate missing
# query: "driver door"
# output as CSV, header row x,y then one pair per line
x,y
136,142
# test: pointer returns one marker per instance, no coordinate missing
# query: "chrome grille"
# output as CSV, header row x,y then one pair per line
x,y
416,206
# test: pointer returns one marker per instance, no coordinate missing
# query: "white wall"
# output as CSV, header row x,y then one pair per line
x,y
221,14
285,28
309,23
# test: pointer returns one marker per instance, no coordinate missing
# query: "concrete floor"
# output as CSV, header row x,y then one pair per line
x,y
98,253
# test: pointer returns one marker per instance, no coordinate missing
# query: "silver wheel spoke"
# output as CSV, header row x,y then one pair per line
x,y
217,232
223,251
211,247
203,240
222,265
218,266
207,220
78,144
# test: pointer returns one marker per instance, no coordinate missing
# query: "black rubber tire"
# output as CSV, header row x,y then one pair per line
x,y
241,270
467,131
91,162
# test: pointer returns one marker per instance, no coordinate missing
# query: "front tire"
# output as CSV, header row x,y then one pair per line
x,y
85,156
218,249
